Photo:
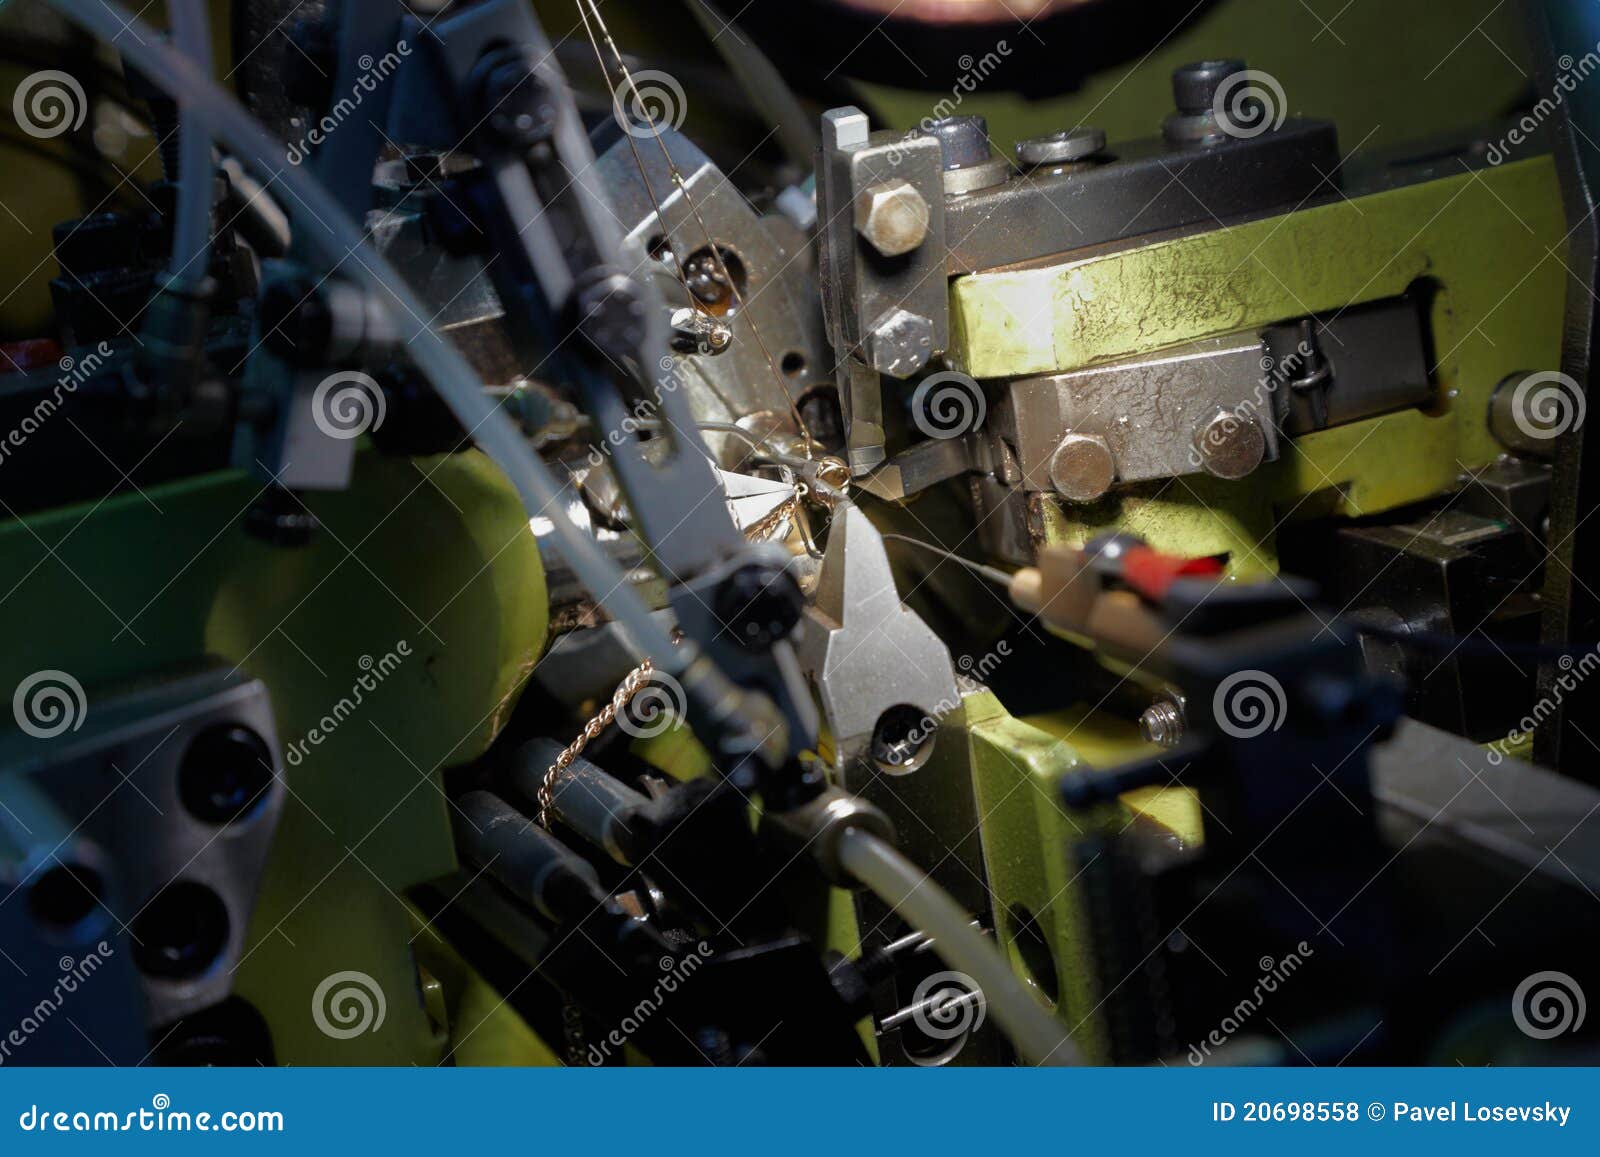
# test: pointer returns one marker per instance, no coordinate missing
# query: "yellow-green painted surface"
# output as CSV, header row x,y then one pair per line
x,y
436,553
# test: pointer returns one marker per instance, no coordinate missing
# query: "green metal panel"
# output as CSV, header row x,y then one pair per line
x,y
433,552
1488,246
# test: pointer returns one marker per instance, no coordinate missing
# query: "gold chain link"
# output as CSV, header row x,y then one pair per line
x,y
592,730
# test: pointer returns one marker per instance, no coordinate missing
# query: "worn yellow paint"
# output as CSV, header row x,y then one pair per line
x,y
1488,246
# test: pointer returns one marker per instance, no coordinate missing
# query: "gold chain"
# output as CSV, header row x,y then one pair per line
x,y
592,730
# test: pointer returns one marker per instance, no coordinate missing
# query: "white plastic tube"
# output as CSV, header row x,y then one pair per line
x,y
191,237
928,908
331,231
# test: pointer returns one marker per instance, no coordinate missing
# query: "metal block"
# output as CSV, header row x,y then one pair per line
x,y
180,786
1149,413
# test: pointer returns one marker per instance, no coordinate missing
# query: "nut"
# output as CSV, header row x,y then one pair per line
x,y
1082,468
1061,148
892,216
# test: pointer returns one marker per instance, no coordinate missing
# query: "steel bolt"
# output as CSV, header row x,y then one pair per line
x,y
1194,86
1082,468
1230,445
901,342
892,216
964,140
1162,722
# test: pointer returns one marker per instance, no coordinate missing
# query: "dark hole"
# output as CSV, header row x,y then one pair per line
x,y
65,896
819,408
793,364
225,773
1035,952
902,739
181,932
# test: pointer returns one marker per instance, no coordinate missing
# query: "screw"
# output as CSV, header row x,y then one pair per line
x,y
758,605
517,106
1162,722
1194,86
892,216
1230,445
1082,468
900,343
964,141
694,331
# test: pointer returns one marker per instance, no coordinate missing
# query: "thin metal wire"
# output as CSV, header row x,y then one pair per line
x,y
683,189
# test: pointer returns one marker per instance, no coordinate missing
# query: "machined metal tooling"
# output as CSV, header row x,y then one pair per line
x,y
881,267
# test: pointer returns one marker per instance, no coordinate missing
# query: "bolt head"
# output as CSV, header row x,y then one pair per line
x,y
758,605
1194,86
963,140
892,217
1230,445
901,342
1083,468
